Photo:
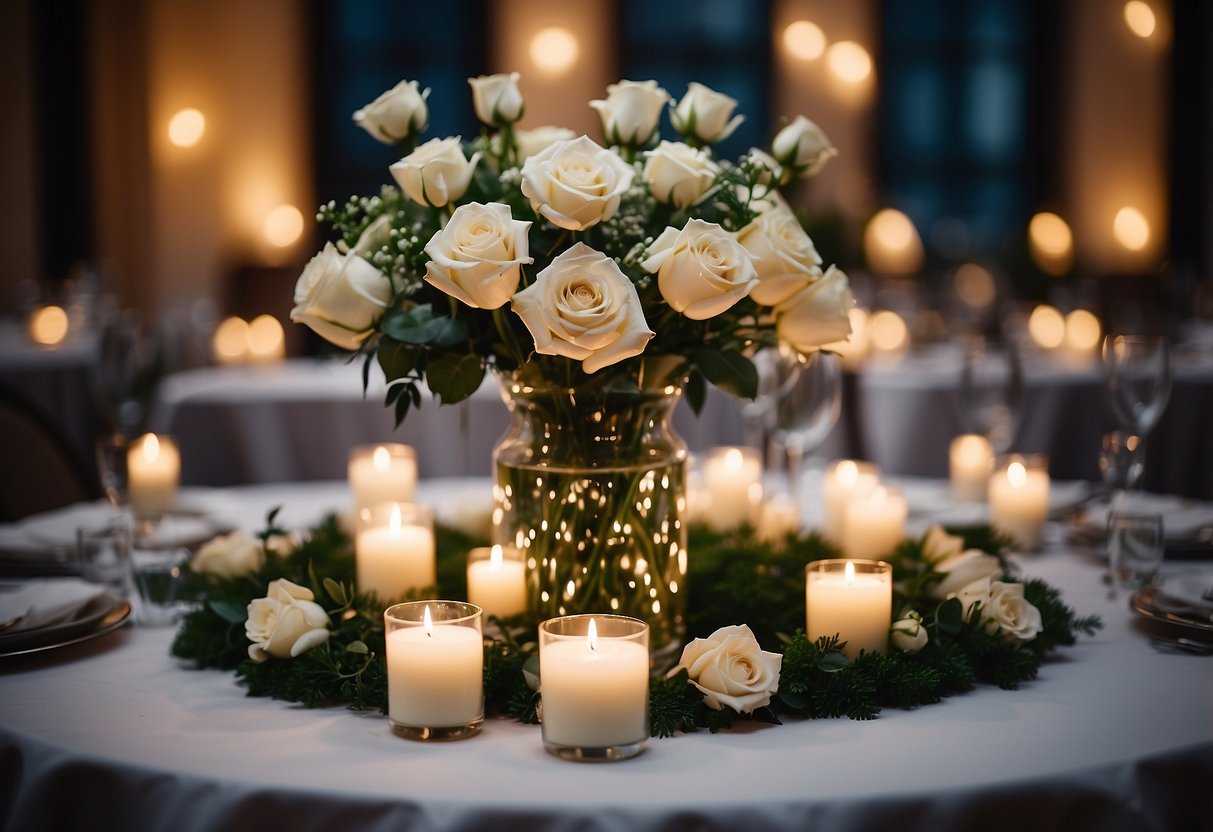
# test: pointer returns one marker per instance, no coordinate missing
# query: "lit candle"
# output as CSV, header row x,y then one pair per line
x,y
1019,499
435,669
595,672
394,550
780,516
731,478
843,481
153,467
875,523
853,599
497,584
970,461
382,474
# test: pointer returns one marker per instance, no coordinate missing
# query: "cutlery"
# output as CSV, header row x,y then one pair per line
x,y
1182,645
12,622
1207,595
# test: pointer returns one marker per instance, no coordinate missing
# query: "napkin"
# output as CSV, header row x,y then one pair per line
x,y
47,603
1182,519
1182,595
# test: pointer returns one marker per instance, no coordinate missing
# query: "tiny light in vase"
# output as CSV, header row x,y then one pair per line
x,y
891,244
1131,228
186,127
1047,327
266,340
1051,243
1140,18
804,40
554,49
230,344
1083,331
889,333
849,62
48,326
283,226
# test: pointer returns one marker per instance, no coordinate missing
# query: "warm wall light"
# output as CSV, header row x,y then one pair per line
x,y
892,244
231,341
1131,229
1050,243
554,49
283,226
266,340
1047,327
1140,19
804,40
48,326
1082,331
849,61
186,127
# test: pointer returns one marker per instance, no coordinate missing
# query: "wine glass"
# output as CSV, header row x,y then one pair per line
x,y
1138,371
806,408
778,370
991,392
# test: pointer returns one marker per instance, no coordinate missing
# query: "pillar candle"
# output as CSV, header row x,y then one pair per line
x,y
843,480
875,523
153,467
970,461
497,584
435,669
853,599
732,478
398,556
382,474
1019,499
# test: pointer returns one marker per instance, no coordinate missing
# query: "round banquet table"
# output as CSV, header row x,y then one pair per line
x,y
115,734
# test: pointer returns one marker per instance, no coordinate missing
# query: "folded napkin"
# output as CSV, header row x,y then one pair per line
x,y
46,603
1182,595
1182,519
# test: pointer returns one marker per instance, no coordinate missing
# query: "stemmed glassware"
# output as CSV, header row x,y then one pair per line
x,y
1138,374
808,401
991,392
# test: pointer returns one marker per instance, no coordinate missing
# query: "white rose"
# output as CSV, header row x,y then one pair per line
x,y
576,184
1013,614
938,545
476,258
802,147
784,256
436,173
583,307
287,622
678,174
398,114
340,297
229,556
631,111
770,171
817,314
729,668
531,142
909,634
703,115
973,597
497,99
701,270
961,570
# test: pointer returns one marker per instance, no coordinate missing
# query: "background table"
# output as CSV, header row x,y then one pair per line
x,y
117,735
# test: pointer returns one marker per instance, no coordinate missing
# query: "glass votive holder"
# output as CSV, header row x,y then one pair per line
x,y
875,522
843,481
159,575
1135,548
497,580
850,598
104,554
594,678
970,461
394,549
383,473
153,471
435,669
1019,498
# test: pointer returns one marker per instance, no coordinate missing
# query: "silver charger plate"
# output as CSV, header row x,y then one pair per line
x,y
102,616
1145,603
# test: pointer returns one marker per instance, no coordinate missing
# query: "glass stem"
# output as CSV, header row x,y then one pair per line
x,y
795,462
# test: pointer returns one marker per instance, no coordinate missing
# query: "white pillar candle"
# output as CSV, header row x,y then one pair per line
x,y
875,523
842,481
595,682
970,461
153,469
396,557
732,478
1019,499
853,599
779,517
496,583
382,474
435,668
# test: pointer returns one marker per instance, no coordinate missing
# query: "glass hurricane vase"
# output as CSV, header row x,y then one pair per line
x,y
591,487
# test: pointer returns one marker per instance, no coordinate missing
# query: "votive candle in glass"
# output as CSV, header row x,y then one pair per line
x,y
732,477
875,523
850,598
970,461
842,482
385,473
394,549
435,669
153,469
497,580
1019,498
595,672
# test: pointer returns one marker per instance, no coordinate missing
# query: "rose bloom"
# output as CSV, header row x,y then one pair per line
x,y
583,307
771,172
1008,611
476,258
961,570
678,174
497,99
730,669
817,314
701,269
536,140
784,256
576,184
938,545
631,111
229,556
341,297
396,115
703,114
286,622
909,634
802,147
436,173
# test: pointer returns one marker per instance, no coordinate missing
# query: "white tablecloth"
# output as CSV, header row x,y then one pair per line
x,y
117,735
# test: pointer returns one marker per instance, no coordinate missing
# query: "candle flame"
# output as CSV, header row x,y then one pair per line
x,y
381,459
393,523
733,461
848,577
1017,475
496,557
848,472
591,637
428,622
151,448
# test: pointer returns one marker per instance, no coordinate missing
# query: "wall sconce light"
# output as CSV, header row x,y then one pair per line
x,y
1140,19
186,127
283,226
804,40
554,50
849,62
1131,228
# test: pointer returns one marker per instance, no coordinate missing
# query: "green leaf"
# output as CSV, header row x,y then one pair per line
x,y
949,616
397,359
695,390
336,591
728,370
794,701
357,647
832,663
420,325
229,611
454,377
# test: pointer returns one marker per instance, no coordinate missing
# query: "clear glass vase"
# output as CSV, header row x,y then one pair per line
x,y
591,487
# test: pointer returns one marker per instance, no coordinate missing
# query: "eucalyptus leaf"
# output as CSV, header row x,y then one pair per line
x,y
794,701
229,611
336,591
832,663
949,616
358,647
419,325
